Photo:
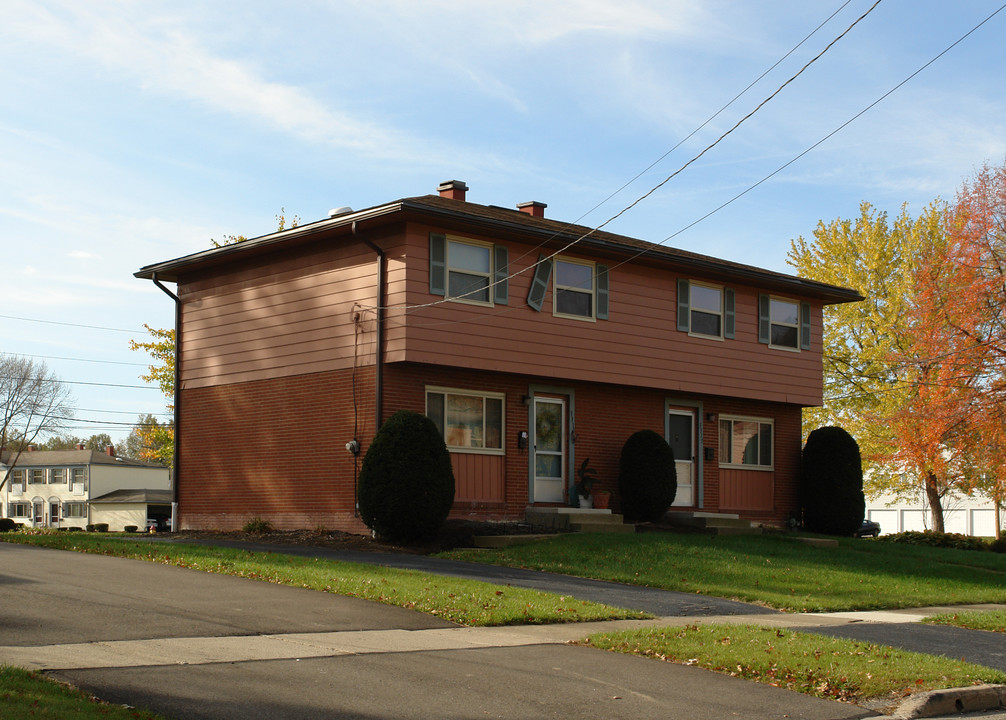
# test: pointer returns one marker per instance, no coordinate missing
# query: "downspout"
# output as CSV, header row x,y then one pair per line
x,y
177,400
379,360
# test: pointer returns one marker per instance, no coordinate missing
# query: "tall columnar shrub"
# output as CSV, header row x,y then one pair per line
x,y
831,482
647,480
406,484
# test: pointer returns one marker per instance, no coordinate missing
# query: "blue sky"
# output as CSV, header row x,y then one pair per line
x,y
135,131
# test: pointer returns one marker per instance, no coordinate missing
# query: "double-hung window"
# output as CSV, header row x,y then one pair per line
x,y
57,476
36,476
19,510
783,324
705,310
746,442
74,510
17,481
574,289
468,271
469,421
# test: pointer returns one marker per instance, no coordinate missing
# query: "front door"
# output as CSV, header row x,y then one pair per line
x,y
681,438
38,510
54,514
549,450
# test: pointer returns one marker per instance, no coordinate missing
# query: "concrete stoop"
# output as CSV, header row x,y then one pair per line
x,y
577,520
712,523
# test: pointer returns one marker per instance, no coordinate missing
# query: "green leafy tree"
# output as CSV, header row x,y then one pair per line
x,y
863,383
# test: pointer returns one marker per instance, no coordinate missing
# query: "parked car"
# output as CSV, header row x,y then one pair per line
x,y
869,528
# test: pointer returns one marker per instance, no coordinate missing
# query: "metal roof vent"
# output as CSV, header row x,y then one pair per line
x,y
335,212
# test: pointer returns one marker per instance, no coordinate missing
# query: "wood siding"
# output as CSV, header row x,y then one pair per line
x,y
747,490
638,345
478,478
308,310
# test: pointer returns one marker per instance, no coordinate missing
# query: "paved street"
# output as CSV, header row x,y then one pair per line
x,y
196,645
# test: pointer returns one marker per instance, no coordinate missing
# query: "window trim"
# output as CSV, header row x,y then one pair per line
x,y
803,324
770,467
18,476
28,508
723,313
557,288
484,395
66,509
31,476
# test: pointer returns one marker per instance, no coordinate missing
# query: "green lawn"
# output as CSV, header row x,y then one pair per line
x,y
837,669
991,620
27,695
774,570
466,602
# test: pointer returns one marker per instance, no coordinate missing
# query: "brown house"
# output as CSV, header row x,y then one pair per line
x,y
532,343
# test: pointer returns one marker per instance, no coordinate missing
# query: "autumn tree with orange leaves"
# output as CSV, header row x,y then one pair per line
x,y
951,430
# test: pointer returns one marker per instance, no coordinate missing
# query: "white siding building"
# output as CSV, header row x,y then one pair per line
x,y
963,514
76,488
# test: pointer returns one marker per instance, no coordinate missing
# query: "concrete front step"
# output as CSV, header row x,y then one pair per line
x,y
713,523
576,519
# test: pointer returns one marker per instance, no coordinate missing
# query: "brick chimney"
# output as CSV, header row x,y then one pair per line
x,y
533,208
453,189
110,449
30,448
80,446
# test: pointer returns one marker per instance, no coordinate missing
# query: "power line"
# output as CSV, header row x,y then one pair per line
x,y
97,384
87,360
677,172
66,324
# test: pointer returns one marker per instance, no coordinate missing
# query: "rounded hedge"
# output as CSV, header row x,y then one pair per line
x,y
831,483
647,478
406,484
7,525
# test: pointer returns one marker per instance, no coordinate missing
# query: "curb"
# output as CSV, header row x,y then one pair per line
x,y
952,701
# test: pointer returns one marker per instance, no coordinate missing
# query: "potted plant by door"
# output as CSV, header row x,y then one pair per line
x,y
585,479
602,499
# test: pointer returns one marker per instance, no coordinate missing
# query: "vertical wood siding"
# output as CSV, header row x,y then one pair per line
x,y
478,478
746,489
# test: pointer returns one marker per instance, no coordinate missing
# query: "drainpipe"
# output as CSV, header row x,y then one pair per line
x,y
379,370
177,400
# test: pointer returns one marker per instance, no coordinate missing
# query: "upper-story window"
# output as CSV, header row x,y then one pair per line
x,y
57,476
574,289
580,288
79,474
746,442
468,420
36,476
17,480
783,323
705,310
468,271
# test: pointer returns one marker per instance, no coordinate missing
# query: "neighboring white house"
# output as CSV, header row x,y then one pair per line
x,y
964,514
76,488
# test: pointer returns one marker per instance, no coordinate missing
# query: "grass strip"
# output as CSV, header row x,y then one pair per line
x,y
990,620
773,570
836,669
466,602
25,694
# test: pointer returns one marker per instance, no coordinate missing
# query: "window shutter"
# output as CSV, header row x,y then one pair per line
x,y
729,316
539,285
683,311
501,293
805,326
438,264
602,293
764,331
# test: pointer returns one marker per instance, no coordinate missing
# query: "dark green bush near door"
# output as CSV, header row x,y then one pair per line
x,y
647,479
406,484
831,482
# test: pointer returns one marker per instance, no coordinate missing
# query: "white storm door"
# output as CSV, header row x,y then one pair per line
x,y
681,438
549,450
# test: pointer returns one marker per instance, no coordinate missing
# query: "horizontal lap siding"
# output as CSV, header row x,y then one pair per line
x,y
639,345
296,315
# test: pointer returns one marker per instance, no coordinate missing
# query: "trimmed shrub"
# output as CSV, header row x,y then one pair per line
x,y
101,527
647,478
931,538
998,546
89,528
831,483
406,484
130,528
7,525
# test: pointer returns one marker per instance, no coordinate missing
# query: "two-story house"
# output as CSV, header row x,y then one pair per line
x,y
77,488
532,344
